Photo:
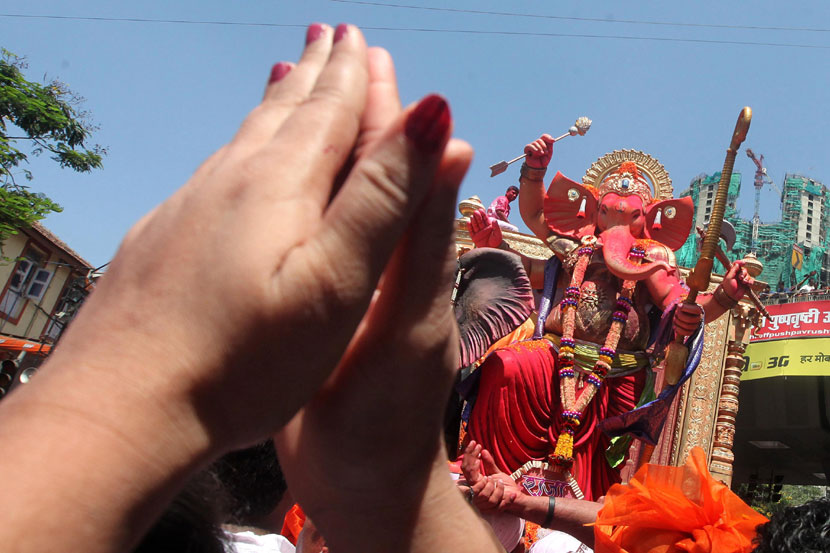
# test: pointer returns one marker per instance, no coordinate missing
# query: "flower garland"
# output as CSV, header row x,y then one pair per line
x,y
573,408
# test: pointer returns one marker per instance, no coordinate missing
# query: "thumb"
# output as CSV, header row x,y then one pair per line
x,y
489,463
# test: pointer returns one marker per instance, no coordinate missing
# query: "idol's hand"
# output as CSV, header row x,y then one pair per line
x,y
737,281
539,152
484,231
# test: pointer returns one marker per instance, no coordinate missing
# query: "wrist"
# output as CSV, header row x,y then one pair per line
x,y
533,173
431,509
100,450
724,299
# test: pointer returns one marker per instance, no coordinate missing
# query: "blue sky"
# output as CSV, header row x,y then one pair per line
x,y
166,95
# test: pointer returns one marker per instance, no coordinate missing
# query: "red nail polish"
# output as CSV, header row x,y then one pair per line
x,y
315,31
428,124
279,71
340,32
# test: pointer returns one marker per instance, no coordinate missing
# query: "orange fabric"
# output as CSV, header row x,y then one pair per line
x,y
293,524
522,332
674,510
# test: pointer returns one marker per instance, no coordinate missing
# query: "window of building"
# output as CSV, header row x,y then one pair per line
x,y
28,280
40,281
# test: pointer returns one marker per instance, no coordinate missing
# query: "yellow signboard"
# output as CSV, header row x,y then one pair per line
x,y
795,357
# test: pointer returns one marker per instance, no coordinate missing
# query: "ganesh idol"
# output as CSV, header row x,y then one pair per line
x,y
557,407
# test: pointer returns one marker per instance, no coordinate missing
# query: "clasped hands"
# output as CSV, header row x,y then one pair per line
x,y
298,283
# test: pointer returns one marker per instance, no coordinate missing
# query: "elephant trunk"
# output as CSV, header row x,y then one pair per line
x,y
616,248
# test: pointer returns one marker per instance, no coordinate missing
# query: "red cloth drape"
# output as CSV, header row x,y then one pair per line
x,y
519,393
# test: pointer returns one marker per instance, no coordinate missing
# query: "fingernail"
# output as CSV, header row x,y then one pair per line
x,y
279,71
315,31
428,123
340,32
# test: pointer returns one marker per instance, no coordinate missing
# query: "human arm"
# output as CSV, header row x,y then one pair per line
x,y
497,491
177,357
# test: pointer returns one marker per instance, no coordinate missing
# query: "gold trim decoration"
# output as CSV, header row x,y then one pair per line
x,y
653,169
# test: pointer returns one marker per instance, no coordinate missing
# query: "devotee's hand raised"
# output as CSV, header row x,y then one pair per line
x,y
246,286
370,442
228,307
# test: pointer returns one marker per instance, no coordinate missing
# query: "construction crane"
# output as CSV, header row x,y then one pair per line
x,y
761,178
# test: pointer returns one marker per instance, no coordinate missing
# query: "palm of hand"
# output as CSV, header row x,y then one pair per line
x,y
286,270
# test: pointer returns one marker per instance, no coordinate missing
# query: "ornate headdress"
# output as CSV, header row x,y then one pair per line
x,y
627,172
626,180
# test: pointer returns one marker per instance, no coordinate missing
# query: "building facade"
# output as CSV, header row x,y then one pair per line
x,y
790,249
43,282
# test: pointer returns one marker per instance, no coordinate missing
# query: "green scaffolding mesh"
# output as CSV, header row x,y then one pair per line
x,y
775,243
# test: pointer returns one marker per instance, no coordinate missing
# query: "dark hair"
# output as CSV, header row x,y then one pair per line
x,y
190,524
513,188
253,480
802,529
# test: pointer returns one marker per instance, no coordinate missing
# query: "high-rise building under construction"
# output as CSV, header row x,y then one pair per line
x,y
790,249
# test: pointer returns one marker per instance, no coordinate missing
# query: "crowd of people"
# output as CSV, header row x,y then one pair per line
x,y
325,338
809,291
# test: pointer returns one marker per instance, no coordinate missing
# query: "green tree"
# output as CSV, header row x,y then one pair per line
x,y
35,119
761,497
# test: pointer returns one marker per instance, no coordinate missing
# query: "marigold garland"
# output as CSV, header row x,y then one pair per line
x,y
572,409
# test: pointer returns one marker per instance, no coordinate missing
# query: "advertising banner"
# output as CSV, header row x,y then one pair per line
x,y
793,341
806,319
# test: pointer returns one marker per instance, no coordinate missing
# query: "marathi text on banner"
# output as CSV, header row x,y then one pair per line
x,y
795,320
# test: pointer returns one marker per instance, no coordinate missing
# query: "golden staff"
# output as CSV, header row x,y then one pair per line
x,y
698,280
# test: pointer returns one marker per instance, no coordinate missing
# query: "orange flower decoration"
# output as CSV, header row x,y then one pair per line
x,y
674,510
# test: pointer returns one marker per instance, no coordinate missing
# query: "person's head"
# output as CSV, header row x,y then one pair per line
x,y
813,282
254,481
191,522
802,529
512,193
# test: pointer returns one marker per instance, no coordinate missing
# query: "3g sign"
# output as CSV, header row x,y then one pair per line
x,y
775,362
778,362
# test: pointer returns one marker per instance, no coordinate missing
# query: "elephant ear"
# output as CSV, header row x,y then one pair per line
x,y
670,221
494,298
570,207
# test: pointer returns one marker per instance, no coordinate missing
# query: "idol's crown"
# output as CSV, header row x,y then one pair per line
x,y
625,181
